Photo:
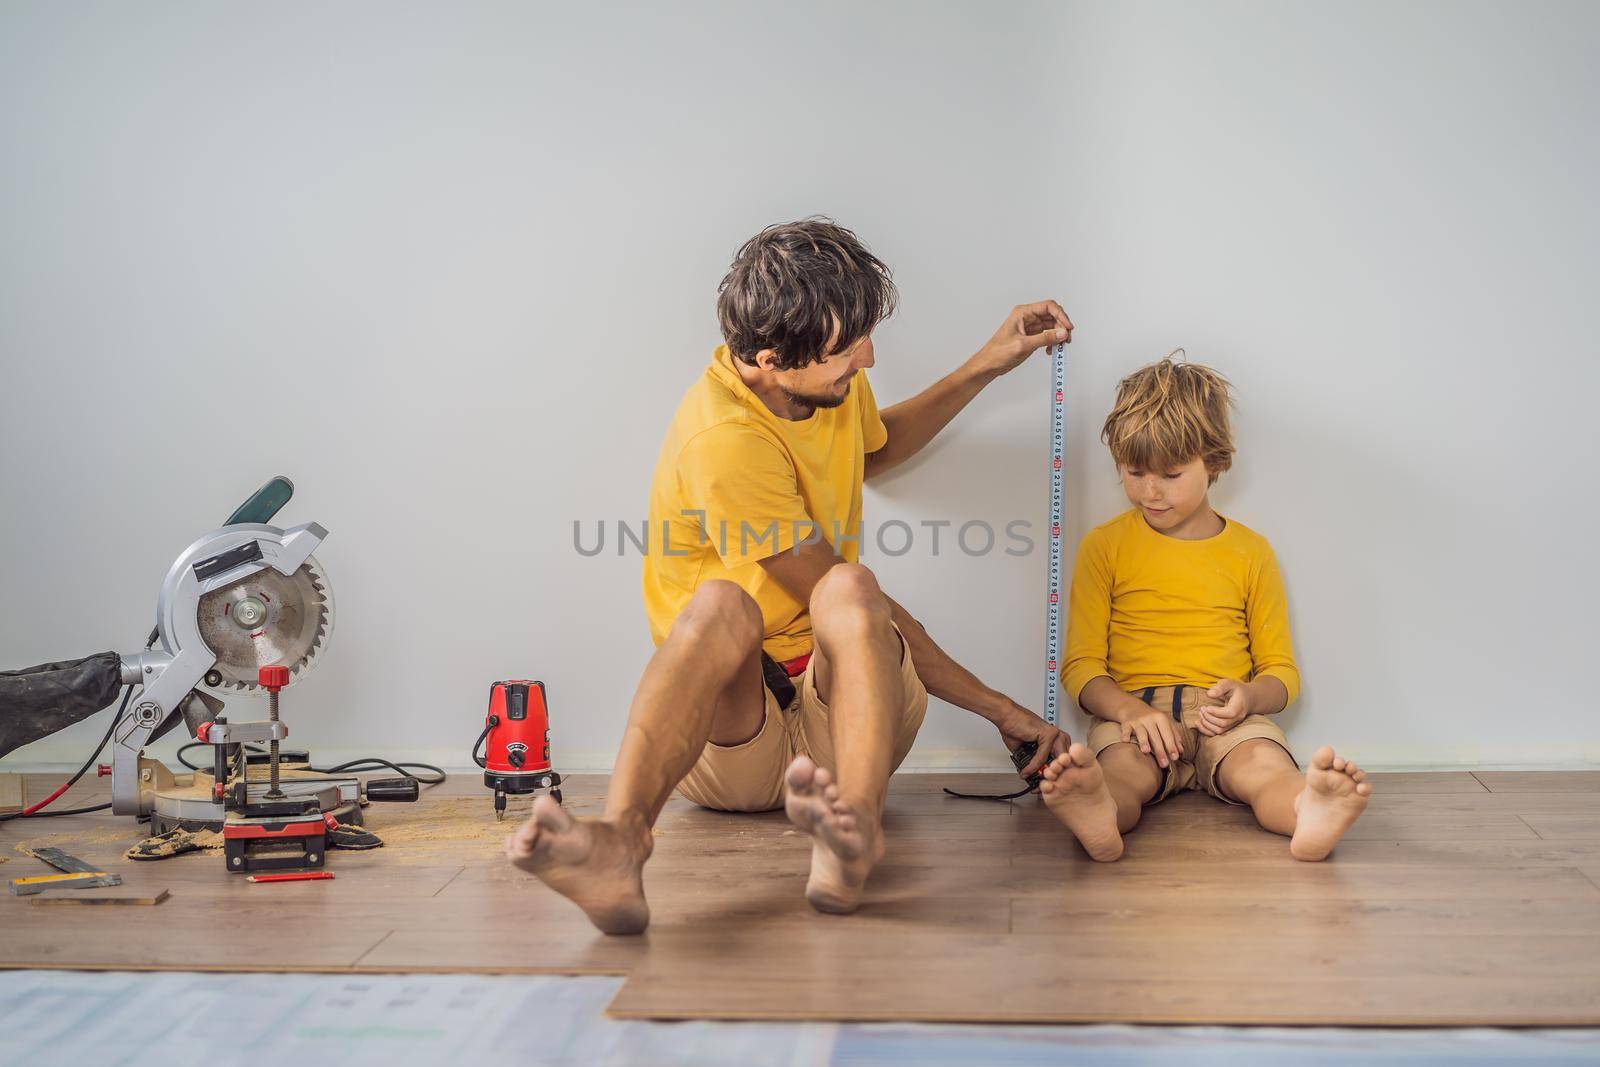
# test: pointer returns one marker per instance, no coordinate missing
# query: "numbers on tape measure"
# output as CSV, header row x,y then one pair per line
x,y
1052,629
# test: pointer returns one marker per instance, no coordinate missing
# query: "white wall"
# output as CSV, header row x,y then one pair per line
x,y
450,269
451,272
1380,221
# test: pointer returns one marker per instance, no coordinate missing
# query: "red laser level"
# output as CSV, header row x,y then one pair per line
x,y
517,733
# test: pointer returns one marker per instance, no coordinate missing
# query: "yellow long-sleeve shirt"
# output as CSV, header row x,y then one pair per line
x,y
1148,609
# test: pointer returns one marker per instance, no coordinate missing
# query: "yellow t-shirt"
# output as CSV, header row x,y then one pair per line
x,y
735,484
1148,609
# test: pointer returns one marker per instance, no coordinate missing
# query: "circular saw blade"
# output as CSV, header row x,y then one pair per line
x,y
298,611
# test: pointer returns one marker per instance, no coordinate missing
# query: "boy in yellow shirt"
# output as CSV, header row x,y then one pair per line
x,y
1178,641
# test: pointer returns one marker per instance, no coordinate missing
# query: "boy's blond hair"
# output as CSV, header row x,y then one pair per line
x,y
1170,413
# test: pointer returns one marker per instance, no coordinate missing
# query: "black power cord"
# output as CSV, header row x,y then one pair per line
x,y
1020,757
65,811
435,775
483,761
372,763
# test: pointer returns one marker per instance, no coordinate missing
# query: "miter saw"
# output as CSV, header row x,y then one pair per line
x,y
244,609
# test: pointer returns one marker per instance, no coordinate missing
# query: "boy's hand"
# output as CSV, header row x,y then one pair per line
x,y
1153,732
1018,724
1027,329
1236,705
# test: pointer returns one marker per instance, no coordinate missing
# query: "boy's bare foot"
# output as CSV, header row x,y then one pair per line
x,y
1074,789
845,844
1336,793
598,865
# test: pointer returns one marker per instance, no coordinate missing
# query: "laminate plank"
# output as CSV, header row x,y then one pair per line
x,y
1234,848
1565,826
522,949
1394,783
981,911
1166,823
186,934
1149,920
1539,781
1321,977
1485,803
1153,999
1284,880
756,894
942,804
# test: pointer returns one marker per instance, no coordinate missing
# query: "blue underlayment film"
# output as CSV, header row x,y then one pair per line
x,y
132,1020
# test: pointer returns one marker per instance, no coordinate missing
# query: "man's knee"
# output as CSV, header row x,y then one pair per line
x,y
849,595
720,612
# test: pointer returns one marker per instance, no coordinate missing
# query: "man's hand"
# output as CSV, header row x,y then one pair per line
x,y
1153,731
1027,329
913,423
1235,696
1017,724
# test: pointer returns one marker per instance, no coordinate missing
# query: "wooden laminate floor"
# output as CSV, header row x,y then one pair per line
x,y
1459,899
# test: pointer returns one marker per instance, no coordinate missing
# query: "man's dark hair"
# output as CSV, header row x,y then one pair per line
x,y
791,283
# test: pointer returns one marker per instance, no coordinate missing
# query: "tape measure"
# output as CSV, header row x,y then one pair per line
x,y
1058,459
1052,614
26,887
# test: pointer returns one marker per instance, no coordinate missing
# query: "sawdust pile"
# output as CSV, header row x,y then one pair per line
x,y
176,844
433,827
441,827
123,834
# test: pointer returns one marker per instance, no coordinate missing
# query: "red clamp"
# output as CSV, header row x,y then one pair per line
x,y
273,677
204,732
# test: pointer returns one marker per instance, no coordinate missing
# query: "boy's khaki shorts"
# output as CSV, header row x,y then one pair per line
x,y
1201,754
749,777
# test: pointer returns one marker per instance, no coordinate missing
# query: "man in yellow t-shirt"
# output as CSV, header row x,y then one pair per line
x,y
783,675
1178,641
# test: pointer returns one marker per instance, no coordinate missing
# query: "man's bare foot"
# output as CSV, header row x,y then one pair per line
x,y
1074,789
845,843
598,865
1336,793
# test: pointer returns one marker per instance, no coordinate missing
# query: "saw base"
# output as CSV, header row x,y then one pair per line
x,y
188,804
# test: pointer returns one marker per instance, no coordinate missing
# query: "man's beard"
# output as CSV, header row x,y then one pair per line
x,y
812,403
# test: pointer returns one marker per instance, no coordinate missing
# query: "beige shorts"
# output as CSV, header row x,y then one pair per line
x,y
1200,754
749,777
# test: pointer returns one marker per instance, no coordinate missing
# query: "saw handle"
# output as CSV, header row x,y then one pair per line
x,y
393,790
264,503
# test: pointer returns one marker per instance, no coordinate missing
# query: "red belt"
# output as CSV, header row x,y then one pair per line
x,y
794,668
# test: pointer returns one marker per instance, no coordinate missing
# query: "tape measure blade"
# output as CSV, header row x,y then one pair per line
x,y
1053,578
